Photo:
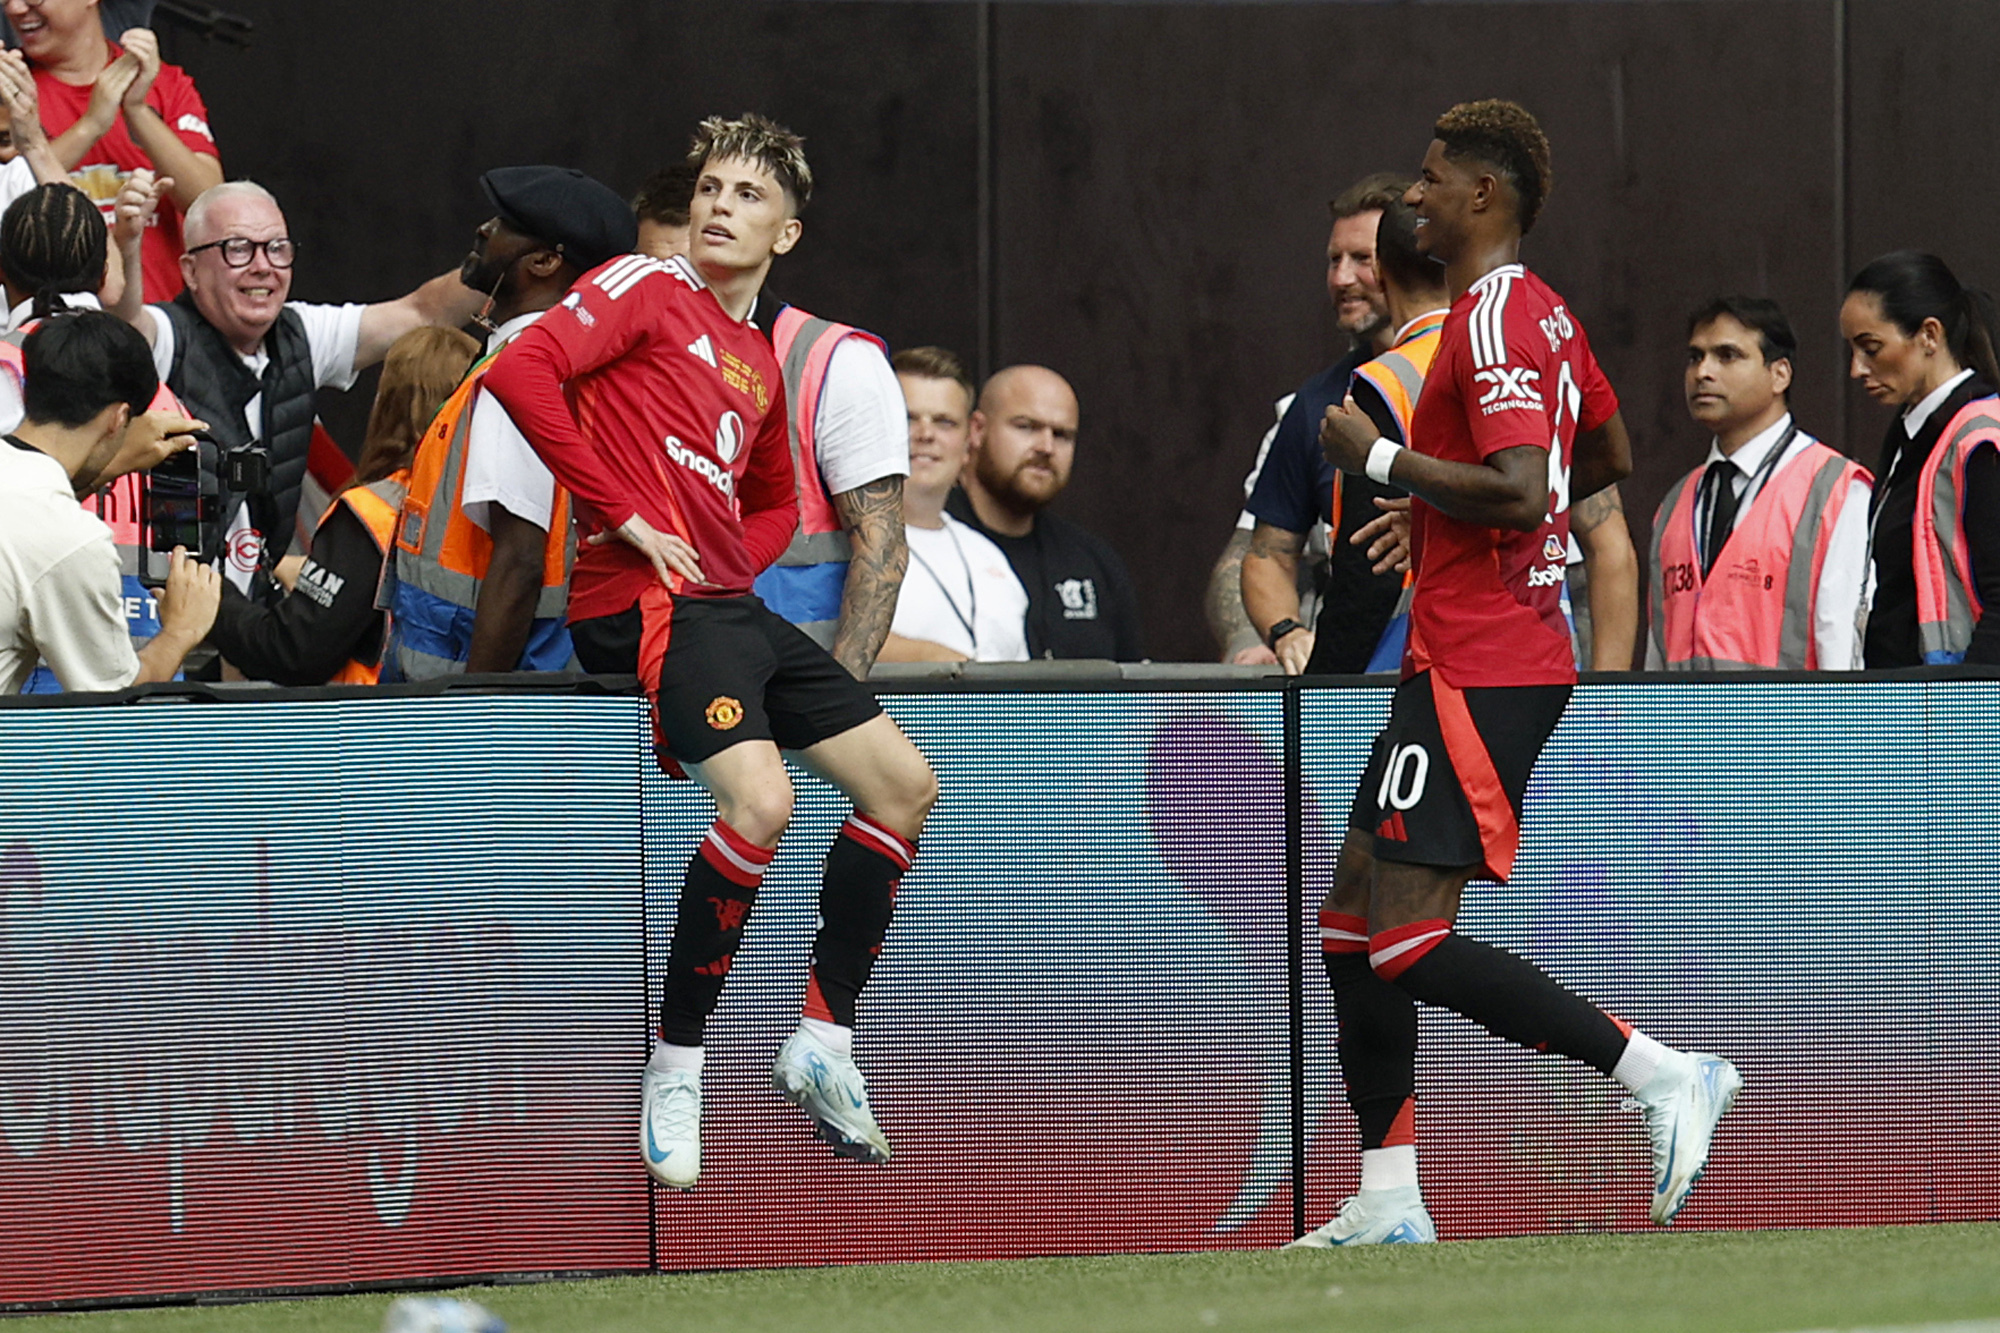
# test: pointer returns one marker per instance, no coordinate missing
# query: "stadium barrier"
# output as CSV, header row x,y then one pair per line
x,y
324,990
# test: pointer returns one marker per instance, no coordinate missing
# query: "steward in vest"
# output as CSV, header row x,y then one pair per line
x,y
248,361
1758,555
328,630
484,546
850,437
1922,341
1386,389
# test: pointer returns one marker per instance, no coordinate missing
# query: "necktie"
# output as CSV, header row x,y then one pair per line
x,y
1721,483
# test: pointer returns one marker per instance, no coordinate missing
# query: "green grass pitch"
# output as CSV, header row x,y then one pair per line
x,y
1714,1282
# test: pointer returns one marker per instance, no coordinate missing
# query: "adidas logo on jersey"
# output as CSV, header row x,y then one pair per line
x,y
704,347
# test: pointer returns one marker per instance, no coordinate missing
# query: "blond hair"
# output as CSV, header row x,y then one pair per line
x,y
758,139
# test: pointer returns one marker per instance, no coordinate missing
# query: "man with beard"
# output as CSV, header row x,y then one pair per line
x,y
1292,489
481,575
1080,599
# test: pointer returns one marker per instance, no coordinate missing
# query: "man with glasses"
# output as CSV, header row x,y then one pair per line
x,y
248,361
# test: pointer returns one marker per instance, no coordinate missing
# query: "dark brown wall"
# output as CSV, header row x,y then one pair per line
x,y
1159,176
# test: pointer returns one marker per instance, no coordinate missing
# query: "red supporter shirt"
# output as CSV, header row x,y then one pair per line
x,y
644,397
1513,368
110,160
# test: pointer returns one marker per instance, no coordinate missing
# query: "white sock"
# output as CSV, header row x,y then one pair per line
x,y
1649,1068
1389,1168
666,1059
833,1036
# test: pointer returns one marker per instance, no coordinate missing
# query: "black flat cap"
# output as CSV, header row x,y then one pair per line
x,y
564,207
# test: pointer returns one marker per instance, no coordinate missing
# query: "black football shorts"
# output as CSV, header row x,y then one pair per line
x,y
721,670
1446,778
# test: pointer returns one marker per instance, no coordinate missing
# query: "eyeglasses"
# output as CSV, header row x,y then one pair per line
x,y
237,251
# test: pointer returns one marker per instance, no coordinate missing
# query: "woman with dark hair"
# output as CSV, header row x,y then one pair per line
x,y
1922,341
327,630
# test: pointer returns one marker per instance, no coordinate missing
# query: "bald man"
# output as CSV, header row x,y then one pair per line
x,y
1022,445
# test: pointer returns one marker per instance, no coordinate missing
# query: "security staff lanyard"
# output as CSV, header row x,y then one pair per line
x,y
1705,502
971,588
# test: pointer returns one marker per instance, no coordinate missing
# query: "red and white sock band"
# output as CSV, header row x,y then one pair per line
x,y
1393,952
879,837
1341,933
735,857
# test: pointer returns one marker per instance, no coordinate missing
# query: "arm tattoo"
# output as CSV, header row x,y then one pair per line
x,y
873,517
1272,543
1594,510
1227,619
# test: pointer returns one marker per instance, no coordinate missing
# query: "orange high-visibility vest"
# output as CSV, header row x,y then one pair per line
x,y
1399,375
376,505
441,555
1948,606
1755,609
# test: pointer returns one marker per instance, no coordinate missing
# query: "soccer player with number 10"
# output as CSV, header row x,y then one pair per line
x,y
1516,419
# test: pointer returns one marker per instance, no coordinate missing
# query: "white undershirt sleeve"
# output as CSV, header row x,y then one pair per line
x,y
1837,600
862,431
333,332
502,467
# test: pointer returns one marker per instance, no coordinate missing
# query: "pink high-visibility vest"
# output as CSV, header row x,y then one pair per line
x,y
1948,604
1755,609
804,346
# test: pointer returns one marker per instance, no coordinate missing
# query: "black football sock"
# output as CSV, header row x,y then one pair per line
x,y
1378,1033
1502,992
716,897
857,898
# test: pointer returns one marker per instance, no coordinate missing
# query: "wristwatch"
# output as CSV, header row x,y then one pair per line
x,y
1279,631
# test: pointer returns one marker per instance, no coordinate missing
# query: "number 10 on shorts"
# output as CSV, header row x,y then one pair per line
x,y
1403,776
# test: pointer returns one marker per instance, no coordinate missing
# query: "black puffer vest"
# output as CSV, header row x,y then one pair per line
x,y
214,384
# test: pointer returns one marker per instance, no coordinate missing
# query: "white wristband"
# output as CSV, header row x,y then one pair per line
x,y
1381,457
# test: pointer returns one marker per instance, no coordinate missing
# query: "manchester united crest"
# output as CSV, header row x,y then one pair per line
x,y
724,712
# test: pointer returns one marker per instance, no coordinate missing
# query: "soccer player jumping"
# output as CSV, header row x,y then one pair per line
x,y
1516,419
650,397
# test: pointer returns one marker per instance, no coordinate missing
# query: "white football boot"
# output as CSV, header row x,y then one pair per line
x,y
1681,1122
1375,1217
827,1087
670,1127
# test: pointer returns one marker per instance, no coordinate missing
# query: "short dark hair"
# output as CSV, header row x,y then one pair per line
x,y
73,366
934,363
1374,191
1507,138
53,242
1775,338
1396,255
665,195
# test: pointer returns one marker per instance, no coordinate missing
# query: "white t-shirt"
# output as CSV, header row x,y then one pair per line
x,y
500,465
961,592
62,598
333,335
16,179
861,432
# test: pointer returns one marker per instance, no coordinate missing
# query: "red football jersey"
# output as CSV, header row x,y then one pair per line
x,y
110,160
644,397
1513,368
